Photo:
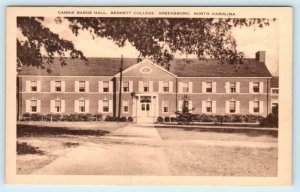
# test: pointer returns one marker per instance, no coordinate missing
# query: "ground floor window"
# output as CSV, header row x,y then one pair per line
x,y
165,106
82,107
256,108
57,106
232,106
208,106
105,107
125,107
33,106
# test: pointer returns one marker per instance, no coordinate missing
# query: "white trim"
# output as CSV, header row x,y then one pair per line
x,y
143,61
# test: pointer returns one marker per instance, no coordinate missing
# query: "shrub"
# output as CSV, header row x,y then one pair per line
x,y
36,117
270,121
122,119
167,119
98,117
130,119
160,119
173,119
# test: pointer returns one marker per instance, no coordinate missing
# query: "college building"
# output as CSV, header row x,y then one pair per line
x,y
147,90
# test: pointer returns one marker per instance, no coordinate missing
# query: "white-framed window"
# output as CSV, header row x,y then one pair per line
x,y
274,91
105,106
125,86
255,87
185,88
146,87
165,106
33,106
209,106
125,107
58,86
82,107
82,86
209,87
166,87
57,106
232,87
256,106
105,86
33,86
232,106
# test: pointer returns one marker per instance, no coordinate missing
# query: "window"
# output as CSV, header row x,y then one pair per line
x,y
166,86
33,86
232,106
81,86
81,105
33,105
256,87
57,85
105,106
208,87
185,88
275,91
125,86
209,106
146,86
256,106
125,106
165,106
57,106
232,87
105,86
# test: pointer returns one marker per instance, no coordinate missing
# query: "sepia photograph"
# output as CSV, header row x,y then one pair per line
x,y
106,92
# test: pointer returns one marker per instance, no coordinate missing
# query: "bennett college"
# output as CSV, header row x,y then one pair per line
x,y
148,91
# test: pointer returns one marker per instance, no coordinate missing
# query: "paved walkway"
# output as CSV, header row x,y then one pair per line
x,y
132,150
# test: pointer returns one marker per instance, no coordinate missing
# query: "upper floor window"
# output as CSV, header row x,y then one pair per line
x,y
126,86
81,86
185,88
105,86
275,91
255,87
146,86
57,86
232,87
57,106
166,87
256,108
33,105
33,86
209,87
232,106
105,106
82,107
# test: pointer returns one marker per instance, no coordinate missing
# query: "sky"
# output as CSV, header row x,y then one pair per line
x,y
249,40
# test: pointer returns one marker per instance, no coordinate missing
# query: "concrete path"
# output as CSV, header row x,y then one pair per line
x,y
132,150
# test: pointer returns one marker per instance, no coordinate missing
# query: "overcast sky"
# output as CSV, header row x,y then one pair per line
x,y
249,40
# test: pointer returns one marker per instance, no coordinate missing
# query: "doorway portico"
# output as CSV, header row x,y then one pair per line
x,y
145,107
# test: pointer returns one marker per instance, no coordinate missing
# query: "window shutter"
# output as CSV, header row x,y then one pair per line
x,y
39,86
63,86
63,106
160,86
190,87
238,84
76,106
111,89
180,103
52,103
250,106
52,86
76,86
180,87
110,103
171,86
190,106
261,107
250,87
27,86
203,87
226,106
27,106
214,86
87,86
227,87
38,106
203,106
87,106
238,106
150,86
100,106
130,86
140,86
101,86
214,106
261,87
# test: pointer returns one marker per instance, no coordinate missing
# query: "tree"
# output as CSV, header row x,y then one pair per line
x,y
155,38
184,116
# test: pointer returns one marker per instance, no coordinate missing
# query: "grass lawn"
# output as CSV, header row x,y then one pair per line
x,y
40,143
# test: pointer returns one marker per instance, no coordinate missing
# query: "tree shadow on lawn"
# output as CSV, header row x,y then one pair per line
x,y
245,131
42,131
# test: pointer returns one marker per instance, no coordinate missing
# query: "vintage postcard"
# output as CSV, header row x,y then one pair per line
x,y
149,95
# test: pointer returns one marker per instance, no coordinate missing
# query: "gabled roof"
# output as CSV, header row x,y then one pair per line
x,y
179,67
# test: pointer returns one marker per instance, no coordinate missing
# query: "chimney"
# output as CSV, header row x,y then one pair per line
x,y
260,56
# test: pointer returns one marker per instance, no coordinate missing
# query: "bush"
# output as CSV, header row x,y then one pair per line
x,y
130,119
270,121
98,117
167,119
160,119
173,119
36,117
122,119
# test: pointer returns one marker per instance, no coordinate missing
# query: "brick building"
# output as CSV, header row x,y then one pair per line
x,y
147,90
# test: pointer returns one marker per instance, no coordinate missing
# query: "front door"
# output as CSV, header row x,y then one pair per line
x,y
145,107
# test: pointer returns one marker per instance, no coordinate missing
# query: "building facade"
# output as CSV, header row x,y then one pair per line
x,y
147,90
